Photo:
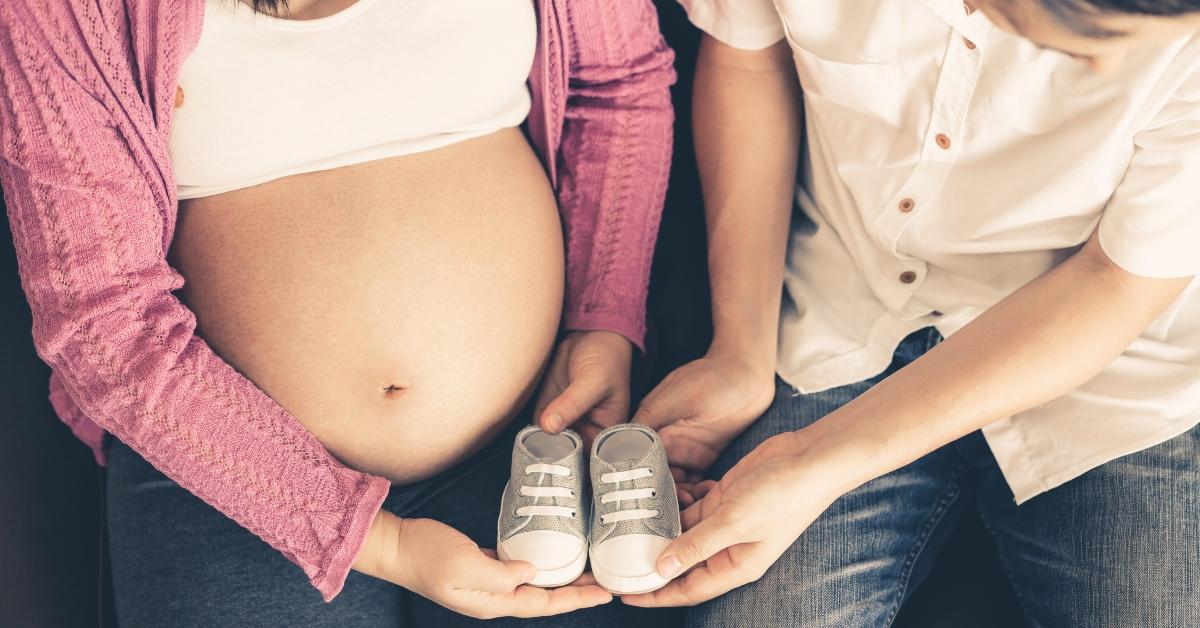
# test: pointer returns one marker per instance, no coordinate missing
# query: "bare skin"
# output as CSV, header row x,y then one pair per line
x,y
1039,343
311,9
1122,33
403,311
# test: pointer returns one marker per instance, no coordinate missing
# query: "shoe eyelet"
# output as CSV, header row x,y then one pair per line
x,y
653,493
573,514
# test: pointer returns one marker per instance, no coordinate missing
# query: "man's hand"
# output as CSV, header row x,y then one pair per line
x,y
440,563
702,406
742,524
588,379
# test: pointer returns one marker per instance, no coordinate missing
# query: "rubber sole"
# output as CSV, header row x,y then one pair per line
x,y
627,585
551,578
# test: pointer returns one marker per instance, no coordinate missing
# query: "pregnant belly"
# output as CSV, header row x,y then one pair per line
x,y
401,309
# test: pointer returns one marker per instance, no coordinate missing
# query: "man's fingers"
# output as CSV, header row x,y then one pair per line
x,y
580,396
686,452
684,494
701,584
664,405
690,515
701,541
700,489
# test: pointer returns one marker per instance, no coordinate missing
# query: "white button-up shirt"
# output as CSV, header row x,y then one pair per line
x,y
949,163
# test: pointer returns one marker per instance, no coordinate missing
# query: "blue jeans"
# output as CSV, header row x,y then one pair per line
x,y
1118,546
178,562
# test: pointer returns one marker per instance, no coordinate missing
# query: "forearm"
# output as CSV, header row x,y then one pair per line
x,y
1039,343
613,164
747,117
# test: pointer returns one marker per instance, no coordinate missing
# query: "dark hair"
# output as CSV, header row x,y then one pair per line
x,y
269,6
1079,15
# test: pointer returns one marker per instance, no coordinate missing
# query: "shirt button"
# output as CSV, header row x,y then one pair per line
x,y
943,141
179,98
968,43
908,276
907,205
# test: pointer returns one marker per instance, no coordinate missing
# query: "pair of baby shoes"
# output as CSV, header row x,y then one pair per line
x,y
548,518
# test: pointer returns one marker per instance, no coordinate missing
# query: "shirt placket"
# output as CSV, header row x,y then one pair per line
x,y
942,144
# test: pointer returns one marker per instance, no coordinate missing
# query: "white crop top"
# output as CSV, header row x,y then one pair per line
x,y
265,98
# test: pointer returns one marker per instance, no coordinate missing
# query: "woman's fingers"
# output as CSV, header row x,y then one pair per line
x,y
484,573
553,383
584,392
531,601
493,588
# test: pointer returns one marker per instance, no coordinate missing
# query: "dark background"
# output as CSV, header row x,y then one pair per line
x,y
52,565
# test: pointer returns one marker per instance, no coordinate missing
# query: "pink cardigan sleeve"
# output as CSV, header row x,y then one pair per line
x,y
85,203
614,161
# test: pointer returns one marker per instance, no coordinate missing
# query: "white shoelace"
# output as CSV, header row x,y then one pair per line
x,y
546,491
617,477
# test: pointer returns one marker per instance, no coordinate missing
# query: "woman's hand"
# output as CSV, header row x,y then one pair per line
x,y
440,563
702,406
588,379
743,523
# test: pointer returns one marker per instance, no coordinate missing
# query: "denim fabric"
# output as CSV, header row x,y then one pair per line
x,y
1118,546
178,562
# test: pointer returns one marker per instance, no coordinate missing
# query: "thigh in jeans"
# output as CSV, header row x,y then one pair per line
x,y
1118,546
859,560
178,562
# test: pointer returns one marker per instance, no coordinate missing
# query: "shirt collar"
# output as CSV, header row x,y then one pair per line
x,y
974,27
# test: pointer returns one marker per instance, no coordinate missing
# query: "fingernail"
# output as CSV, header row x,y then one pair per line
x,y
669,567
529,573
554,422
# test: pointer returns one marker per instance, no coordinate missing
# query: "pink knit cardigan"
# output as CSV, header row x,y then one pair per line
x,y
86,98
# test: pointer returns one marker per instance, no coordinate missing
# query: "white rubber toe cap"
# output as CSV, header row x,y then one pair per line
x,y
546,549
629,556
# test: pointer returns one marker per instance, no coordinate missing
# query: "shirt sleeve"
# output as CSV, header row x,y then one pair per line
x,y
1151,225
745,24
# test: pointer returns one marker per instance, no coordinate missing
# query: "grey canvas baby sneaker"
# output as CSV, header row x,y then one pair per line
x,y
543,511
635,512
